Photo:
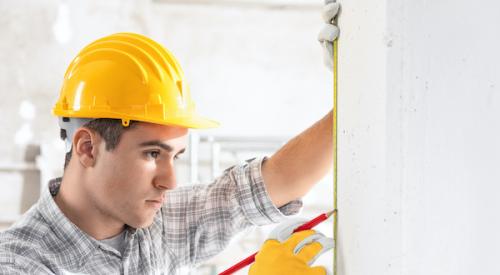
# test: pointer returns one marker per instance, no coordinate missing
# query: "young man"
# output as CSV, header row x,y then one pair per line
x,y
124,112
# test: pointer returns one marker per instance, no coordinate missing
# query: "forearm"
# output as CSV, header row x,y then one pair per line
x,y
304,160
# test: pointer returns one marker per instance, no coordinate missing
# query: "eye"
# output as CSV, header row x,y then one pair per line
x,y
153,154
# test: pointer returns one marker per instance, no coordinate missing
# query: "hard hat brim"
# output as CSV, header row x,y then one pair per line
x,y
193,122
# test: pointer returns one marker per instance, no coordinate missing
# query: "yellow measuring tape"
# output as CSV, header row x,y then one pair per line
x,y
335,109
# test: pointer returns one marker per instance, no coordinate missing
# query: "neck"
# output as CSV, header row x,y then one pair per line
x,y
76,204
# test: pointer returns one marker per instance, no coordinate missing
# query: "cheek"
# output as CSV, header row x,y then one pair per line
x,y
132,175
124,175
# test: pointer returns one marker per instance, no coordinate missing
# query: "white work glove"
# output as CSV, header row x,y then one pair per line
x,y
288,253
329,32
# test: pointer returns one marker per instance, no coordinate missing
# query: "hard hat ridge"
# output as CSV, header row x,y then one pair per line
x,y
129,77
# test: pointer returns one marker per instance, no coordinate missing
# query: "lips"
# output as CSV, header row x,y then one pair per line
x,y
157,203
157,200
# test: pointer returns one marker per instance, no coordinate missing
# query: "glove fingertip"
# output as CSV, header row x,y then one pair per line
x,y
330,11
328,33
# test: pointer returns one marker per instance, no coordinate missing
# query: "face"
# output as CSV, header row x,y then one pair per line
x,y
129,182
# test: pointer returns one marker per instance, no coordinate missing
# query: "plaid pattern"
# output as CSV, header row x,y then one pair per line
x,y
195,223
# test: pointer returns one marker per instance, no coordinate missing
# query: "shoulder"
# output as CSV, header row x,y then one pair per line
x,y
20,256
24,244
31,227
26,238
13,263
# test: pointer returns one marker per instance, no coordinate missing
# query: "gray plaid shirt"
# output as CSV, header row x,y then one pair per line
x,y
195,223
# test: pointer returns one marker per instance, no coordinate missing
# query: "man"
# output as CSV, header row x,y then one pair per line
x,y
124,112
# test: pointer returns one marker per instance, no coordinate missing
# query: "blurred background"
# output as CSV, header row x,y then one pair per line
x,y
255,66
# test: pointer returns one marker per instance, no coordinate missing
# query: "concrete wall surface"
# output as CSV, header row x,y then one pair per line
x,y
419,122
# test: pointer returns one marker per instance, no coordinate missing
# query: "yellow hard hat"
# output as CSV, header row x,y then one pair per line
x,y
128,76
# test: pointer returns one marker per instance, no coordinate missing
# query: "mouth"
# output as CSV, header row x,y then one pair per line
x,y
156,203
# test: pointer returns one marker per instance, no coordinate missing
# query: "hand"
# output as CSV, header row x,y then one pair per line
x,y
288,253
329,32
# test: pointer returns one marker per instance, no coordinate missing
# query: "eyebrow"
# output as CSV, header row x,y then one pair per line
x,y
162,145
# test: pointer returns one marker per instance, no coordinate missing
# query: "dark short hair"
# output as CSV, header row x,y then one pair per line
x,y
109,129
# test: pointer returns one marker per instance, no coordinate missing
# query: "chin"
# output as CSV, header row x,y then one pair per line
x,y
141,222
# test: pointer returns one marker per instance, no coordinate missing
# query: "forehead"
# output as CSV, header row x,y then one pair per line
x,y
143,131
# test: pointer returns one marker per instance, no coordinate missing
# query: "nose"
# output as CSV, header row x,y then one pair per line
x,y
165,178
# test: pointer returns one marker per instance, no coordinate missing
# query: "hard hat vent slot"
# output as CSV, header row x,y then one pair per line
x,y
179,86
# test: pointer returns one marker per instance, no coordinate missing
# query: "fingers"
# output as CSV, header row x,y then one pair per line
x,y
328,33
330,11
310,248
297,238
283,231
308,252
326,37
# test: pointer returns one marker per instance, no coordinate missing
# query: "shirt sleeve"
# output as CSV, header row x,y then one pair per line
x,y
14,264
10,269
199,220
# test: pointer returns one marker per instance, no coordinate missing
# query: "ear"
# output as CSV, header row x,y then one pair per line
x,y
85,146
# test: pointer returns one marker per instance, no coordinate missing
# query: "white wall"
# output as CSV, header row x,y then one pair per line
x,y
419,122
368,228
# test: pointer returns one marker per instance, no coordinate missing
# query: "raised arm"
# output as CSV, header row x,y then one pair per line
x,y
300,163
304,160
